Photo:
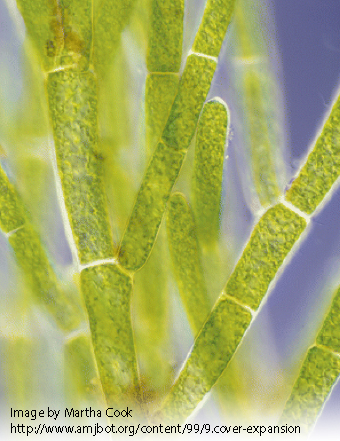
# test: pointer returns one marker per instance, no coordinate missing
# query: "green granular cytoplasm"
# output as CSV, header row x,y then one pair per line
x,y
166,35
165,164
110,18
213,349
208,170
148,211
107,295
12,211
269,244
193,89
262,159
149,207
77,29
318,373
186,261
73,110
33,261
322,167
81,378
160,92
329,334
43,21
317,376
211,33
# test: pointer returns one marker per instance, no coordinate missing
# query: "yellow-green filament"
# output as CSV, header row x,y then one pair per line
x,y
186,261
166,34
73,110
208,171
107,294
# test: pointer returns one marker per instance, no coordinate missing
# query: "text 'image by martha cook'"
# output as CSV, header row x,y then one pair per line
x,y
169,219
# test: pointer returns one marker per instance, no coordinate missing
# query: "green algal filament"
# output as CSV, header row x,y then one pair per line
x,y
160,92
319,371
208,170
322,167
107,294
166,34
166,162
318,374
186,261
270,242
73,109
32,258
214,25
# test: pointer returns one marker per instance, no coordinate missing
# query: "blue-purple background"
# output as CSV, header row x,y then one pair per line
x,y
308,43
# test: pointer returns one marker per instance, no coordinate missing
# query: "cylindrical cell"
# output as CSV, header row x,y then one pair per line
x,y
160,92
212,351
272,239
269,244
107,294
208,170
322,167
166,35
193,89
319,371
329,334
73,109
12,211
186,261
33,261
150,204
213,27
166,162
